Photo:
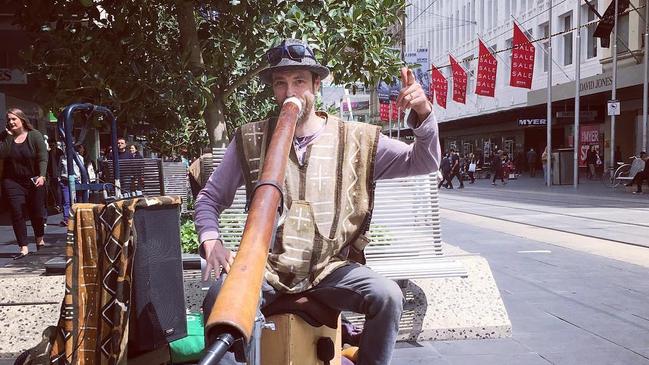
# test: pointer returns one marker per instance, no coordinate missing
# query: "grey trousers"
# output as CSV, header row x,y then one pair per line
x,y
354,288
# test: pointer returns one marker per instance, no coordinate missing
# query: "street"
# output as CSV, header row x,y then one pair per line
x,y
570,267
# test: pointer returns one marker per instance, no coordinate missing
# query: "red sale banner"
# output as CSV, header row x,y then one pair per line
x,y
395,111
522,60
459,81
440,87
384,111
486,77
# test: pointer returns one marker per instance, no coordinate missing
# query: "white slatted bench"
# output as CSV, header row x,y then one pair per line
x,y
405,232
152,176
637,165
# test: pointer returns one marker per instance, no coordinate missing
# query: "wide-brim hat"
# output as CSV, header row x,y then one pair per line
x,y
288,64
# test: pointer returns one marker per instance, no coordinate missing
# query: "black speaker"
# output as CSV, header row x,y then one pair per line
x,y
158,301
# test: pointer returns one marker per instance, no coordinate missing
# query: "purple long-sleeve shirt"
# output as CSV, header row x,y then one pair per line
x,y
393,159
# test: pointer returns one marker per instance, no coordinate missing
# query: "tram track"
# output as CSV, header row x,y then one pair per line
x,y
624,251
527,209
584,216
545,227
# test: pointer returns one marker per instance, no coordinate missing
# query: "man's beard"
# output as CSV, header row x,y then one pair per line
x,y
305,112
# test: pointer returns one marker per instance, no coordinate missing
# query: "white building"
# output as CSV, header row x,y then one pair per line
x,y
453,26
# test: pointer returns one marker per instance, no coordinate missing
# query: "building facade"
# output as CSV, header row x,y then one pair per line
x,y
15,87
515,119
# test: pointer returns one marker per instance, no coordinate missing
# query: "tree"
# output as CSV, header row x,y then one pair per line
x,y
169,64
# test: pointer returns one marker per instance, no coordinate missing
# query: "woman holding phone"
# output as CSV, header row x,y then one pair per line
x,y
25,166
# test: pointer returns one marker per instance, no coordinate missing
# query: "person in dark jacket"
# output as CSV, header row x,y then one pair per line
x,y
25,167
135,154
591,161
455,169
122,152
532,156
445,168
497,166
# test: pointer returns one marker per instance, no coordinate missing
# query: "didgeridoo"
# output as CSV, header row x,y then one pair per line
x,y
236,305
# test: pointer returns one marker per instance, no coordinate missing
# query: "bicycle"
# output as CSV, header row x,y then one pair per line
x,y
612,177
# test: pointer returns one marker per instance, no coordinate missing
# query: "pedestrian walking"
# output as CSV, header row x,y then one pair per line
x,y
53,188
544,162
591,161
509,167
445,168
455,169
25,167
497,166
532,156
472,165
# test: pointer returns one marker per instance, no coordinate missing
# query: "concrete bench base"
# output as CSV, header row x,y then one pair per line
x,y
453,308
436,309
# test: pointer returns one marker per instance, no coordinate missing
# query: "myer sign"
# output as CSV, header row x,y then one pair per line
x,y
528,122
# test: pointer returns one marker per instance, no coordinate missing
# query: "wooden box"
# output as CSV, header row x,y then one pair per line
x,y
294,341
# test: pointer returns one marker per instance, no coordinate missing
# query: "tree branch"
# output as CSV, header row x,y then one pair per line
x,y
244,79
189,36
80,88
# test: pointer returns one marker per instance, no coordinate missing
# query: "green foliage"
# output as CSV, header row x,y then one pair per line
x,y
132,56
188,236
189,134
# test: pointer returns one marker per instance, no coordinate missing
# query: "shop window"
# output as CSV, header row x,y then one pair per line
x,y
452,145
509,147
467,148
490,17
566,20
623,33
544,29
591,41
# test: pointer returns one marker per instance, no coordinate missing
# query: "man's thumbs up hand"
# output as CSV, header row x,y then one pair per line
x,y
412,95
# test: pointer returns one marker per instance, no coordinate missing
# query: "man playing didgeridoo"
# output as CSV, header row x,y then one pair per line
x,y
328,197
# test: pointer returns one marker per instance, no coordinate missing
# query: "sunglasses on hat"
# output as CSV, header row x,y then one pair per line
x,y
295,52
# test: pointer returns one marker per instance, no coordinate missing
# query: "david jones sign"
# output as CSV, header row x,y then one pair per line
x,y
596,84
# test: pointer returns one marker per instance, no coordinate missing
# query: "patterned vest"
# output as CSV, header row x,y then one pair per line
x,y
328,200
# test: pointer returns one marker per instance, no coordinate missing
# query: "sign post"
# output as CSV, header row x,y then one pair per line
x,y
645,83
575,171
548,148
613,107
614,88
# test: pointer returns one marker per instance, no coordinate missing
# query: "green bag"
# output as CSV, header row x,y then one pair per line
x,y
192,347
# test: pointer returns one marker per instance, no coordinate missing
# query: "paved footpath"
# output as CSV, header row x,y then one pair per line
x,y
572,268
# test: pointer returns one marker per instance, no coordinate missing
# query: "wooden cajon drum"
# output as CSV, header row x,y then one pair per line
x,y
293,342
